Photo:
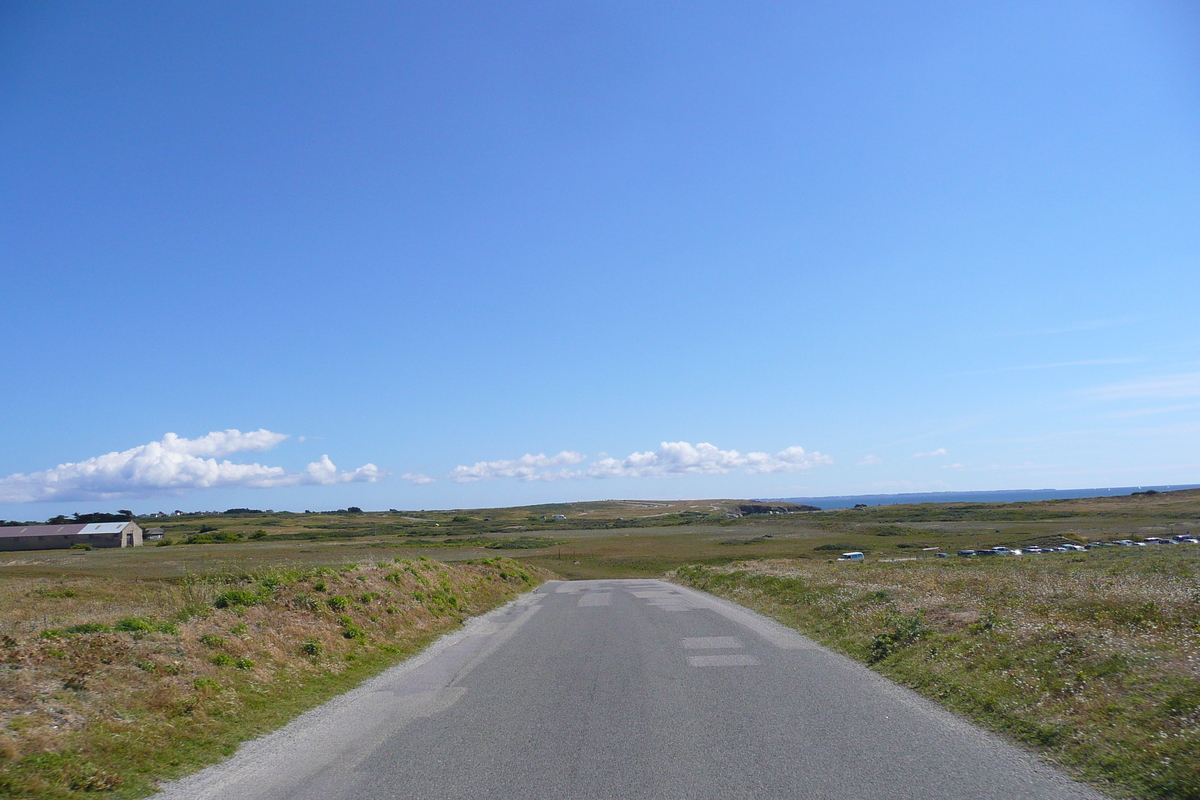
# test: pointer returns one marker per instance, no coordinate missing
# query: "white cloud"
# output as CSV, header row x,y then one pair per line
x,y
869,460
173,465
941,451
953,466
324,473
418,478
672,458
526,468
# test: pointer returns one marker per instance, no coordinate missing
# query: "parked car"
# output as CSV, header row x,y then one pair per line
x,y
1185,537
1124,542
966,553
1033,548
1001,550
855,556
1158,540
940,554
1074,547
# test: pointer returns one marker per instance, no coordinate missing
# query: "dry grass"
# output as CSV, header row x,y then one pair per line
x,y
1094,659
109,684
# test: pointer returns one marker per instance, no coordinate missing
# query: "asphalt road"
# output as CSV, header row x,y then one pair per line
x,y
627,689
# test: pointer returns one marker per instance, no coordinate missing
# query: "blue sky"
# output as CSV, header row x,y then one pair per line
x,y
533,252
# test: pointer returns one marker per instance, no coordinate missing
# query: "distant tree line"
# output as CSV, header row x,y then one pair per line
x,y
123,515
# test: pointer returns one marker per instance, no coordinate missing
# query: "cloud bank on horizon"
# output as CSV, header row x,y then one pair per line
x,y
172,465
671,459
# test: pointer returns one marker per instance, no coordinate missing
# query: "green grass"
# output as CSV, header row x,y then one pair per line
x,y
1028,628
121,699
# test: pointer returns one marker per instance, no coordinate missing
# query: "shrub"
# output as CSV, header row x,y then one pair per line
x,y
81,546
244,663
354,632
58,593
337,603
312,647
235,598
221,660
521,543
212,640
76,630
319,586
141,625
306,602
259,534
134,625
905,631
95,780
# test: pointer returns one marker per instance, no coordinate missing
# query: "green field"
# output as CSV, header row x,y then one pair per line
x,y
1091,658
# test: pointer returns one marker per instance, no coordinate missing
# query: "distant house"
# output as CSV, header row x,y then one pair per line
x,y
154,534
57,537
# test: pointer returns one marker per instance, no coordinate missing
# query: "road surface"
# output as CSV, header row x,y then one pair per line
x,y
627,689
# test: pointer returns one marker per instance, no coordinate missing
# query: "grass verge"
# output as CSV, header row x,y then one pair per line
x,y
136,682
1093,661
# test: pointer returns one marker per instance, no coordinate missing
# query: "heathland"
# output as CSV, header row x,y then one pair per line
x,y
121,667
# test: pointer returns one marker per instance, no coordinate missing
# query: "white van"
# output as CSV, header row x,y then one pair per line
x,y
855,556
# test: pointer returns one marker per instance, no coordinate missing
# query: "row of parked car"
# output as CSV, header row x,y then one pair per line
x,y
1183,538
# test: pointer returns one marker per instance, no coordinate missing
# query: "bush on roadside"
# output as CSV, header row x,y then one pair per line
x,y
235,598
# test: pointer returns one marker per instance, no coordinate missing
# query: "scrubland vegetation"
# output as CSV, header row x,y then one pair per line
x,y
122,666
109,683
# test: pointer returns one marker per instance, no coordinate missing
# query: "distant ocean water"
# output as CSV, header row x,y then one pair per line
x,y
1004,496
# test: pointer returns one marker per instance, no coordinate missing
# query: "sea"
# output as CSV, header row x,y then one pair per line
x,y
1001,496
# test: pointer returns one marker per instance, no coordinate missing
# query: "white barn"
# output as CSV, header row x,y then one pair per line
x,y
57,537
